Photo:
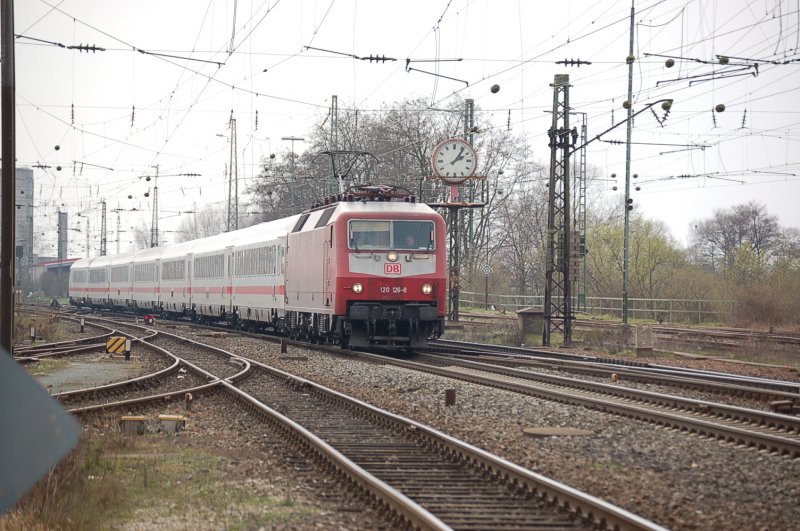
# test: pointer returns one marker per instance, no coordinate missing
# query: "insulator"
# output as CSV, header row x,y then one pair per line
x,y
670,63
720,107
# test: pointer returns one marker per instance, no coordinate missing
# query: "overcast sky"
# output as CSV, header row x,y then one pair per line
x,y
162,91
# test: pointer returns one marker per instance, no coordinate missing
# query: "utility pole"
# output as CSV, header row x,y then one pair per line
x,y
103,239
293,139
154,221
580,215
469,136
558,291
233,181
626,237
333,187
8,187
62,245
119,231
88,241
62,235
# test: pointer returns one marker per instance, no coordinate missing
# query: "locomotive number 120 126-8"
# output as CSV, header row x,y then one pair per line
x,y
393,289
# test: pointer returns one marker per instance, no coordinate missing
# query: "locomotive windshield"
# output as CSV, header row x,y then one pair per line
x,y
383,235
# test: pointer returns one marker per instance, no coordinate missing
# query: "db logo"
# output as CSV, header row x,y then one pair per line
x,y
391,269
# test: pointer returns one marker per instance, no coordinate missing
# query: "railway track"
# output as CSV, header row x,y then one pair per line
x,y
680,378
32,353
462,486
703,338
745,427
171,377
424,478
742,426
216,389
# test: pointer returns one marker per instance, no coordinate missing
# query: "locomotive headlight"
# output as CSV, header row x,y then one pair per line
x,y
392,256
427,289
357,287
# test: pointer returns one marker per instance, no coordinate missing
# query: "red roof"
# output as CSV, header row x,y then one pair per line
x,y
65,261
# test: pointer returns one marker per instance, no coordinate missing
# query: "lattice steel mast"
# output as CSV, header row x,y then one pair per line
x,y
154,222
558,293
233,181
103,234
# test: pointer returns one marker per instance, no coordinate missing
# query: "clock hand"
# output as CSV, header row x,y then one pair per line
x,y
458,157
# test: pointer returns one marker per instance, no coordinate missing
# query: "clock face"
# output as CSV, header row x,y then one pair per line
x,y
454,160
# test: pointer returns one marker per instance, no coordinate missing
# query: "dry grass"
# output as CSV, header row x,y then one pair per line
x,y
490,332
111,479
46,327
74,495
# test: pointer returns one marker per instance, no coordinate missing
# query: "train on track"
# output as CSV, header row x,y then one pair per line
x,y
365,268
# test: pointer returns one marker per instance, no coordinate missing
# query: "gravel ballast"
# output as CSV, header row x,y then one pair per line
x,y
678,481
675,480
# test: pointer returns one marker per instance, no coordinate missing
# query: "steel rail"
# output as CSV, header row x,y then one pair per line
x,y
687,380
586,506
582,504
27,349
155,334
144,400
568,360
58,354
570,393
177,362
391,498
751,416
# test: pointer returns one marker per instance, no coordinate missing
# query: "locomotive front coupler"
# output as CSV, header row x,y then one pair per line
x,y
392,317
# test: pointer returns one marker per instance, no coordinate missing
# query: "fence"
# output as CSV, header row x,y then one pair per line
x,y
661,310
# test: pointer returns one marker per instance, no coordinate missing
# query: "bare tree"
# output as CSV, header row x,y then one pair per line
x,y
718,239
521,227
210,220
141,236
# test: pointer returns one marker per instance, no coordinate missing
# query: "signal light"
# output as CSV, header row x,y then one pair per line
x,y
629,202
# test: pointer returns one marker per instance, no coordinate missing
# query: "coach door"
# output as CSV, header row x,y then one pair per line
x,y
188,296
157,285
228,281
327,269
